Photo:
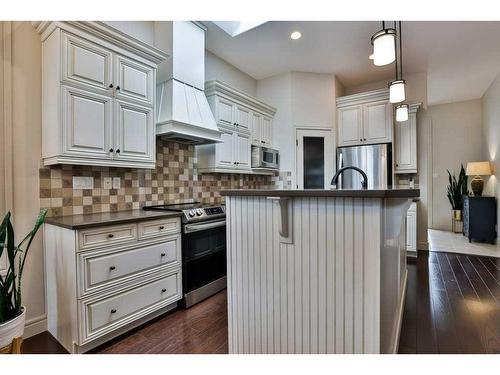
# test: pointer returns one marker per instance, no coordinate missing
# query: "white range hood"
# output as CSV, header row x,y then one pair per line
x,y
183,112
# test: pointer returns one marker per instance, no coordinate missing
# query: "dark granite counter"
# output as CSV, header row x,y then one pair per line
x,y
391,192
108,218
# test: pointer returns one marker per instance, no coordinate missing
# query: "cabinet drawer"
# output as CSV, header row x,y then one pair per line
x,y
107,268
156,228
106,236
104,315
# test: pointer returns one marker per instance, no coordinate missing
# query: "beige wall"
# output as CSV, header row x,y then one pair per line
x,y
491,137
457,138
26,151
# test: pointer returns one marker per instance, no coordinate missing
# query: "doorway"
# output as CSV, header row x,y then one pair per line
x,y
314,158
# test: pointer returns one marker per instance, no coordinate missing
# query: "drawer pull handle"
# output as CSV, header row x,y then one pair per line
x,y
113,311
111,235
163,254
112,268
162,227
163,290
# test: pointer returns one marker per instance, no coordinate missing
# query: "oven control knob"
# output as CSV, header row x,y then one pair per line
x,y
199,212
191,213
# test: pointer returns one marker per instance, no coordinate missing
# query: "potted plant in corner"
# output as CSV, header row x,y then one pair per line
x,y
457,188
12,312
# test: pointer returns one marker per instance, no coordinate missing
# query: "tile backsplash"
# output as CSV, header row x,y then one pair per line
x,y
174,180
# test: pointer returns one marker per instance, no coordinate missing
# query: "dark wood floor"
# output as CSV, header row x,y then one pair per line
x,y
452,306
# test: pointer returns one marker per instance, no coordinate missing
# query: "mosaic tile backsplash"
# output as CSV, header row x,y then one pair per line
x,y
174,180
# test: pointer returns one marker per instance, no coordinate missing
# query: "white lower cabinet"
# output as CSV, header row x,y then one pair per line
x,y
106,280
411,228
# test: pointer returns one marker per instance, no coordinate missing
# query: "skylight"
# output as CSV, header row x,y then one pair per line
x,y
235,28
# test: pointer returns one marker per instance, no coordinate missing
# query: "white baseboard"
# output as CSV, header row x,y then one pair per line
x,y
34,326
395,339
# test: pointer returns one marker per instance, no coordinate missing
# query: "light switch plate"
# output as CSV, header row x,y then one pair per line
x,y
116,182
107,183
80,182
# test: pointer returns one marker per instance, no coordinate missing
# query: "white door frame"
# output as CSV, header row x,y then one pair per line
x,y
318,131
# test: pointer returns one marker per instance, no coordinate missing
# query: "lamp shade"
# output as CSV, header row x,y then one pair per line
x,y
478,168
402,112
397,91
384,48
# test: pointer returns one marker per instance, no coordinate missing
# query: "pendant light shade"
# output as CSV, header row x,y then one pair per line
x,y
397,91
384,48
402,112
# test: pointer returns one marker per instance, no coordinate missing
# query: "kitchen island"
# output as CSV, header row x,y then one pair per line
x,y
316,271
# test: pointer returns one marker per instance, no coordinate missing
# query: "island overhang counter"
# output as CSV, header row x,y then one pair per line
x,y
316,271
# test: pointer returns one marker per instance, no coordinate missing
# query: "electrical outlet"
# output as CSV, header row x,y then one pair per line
x,y
116,182
83,182
107,183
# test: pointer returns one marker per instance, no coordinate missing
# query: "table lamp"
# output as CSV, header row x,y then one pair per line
x,y
477,169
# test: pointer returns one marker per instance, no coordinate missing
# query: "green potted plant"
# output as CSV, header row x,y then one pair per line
x,y
12,312
457,188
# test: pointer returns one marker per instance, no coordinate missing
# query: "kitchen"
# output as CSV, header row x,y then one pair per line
x,y
163,160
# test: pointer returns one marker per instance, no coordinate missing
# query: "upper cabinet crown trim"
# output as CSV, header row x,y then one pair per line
x,y
364,97
105,32
216,87
413,108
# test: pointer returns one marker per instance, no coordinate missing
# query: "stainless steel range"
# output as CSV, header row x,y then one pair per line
x,y
203,249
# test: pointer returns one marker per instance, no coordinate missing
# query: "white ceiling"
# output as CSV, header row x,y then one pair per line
x,y
461,59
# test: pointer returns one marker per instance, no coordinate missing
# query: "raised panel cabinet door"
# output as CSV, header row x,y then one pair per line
x,y
224,151
411,230
377,122
85,63
350,125
406,146
134,132
242,118
266,132
134,80
242,151
225,113
256,128
87,123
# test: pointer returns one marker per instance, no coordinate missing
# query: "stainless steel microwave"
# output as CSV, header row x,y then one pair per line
x,y
263,157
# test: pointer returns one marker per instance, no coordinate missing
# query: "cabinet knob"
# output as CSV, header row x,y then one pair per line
x,y
118,151
113,311
361,139
110,86
118,88
163,290
162,227
364,139
110,150
111,235
163,254
112,268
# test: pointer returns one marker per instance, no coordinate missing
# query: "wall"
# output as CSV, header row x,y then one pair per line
x,y
490,104
142,30
216,68
457,138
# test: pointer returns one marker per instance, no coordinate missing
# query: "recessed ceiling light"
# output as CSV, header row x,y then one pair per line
x,y
295,35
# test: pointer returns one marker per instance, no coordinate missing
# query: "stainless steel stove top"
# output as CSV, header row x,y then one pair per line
x,y
193,211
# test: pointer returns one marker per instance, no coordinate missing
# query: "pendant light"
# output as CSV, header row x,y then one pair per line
x,y
384,48
402,112
397,88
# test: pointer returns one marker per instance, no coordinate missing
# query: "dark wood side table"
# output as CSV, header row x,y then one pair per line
x,y
480,214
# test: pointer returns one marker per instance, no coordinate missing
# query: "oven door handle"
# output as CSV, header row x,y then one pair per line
x,y
190,228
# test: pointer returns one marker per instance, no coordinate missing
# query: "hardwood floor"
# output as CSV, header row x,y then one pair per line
x,y
452,306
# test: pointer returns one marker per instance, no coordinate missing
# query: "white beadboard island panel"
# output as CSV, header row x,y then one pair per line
x,y
321,293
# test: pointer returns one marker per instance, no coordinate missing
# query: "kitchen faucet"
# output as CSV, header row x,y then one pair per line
x,y
364,183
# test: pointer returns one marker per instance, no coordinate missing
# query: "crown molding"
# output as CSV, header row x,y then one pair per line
x,y
364,97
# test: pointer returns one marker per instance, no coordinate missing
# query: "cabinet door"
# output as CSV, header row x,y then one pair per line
x,y
134,80
406,145
242,117
256,128
350,126
411,230
86,64
134,132
87,123
224,151
266,131
377,122
224,112
242,150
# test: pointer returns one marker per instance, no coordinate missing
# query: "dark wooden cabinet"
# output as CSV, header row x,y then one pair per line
x,y
479,217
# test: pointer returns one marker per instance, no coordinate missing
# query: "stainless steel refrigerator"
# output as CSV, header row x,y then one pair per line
x,y
374,160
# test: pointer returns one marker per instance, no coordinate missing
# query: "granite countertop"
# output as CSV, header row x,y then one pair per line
x,y
390,192
108,218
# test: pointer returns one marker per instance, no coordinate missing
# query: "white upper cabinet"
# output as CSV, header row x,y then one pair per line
x,y
405,143
242,150
256,127
266,131
242,117
224,151
364,118
224,112
105,113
